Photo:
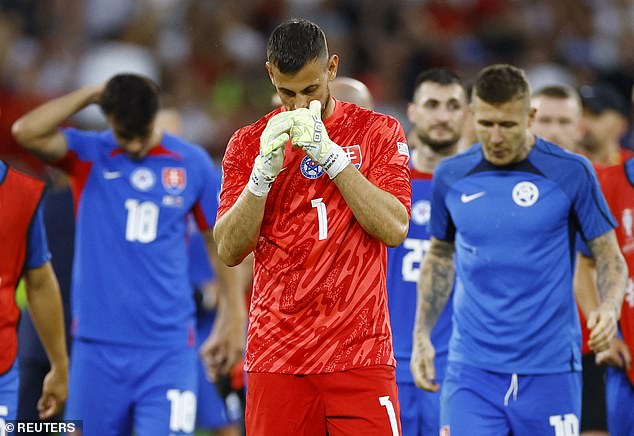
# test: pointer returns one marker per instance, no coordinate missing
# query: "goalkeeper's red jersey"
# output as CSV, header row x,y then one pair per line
x,y
617,183
319,299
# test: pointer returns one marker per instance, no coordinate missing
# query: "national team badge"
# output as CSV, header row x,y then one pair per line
x,y
142,179
421,211
354,154
311,169
174,180
525,194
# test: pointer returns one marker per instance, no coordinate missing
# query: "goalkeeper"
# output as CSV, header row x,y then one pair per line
x,y
317,190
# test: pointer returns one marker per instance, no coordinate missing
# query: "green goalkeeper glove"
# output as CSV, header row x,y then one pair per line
x,y
268,163
309,133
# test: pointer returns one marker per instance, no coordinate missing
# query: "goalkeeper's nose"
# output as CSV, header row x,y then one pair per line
x,y
301,101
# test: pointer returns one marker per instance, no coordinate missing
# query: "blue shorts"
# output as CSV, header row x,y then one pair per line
x,y
476,402
420,409
213,411
117,388
9,384
620,403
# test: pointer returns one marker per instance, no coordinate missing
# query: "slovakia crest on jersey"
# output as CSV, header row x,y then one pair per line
x,y
354,154
174,179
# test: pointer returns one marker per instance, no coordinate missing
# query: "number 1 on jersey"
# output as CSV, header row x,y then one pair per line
x,y
322,217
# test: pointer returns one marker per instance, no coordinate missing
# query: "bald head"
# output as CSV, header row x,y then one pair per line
x,y
352,91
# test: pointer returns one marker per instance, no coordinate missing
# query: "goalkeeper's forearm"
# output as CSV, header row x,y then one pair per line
x,y
237,231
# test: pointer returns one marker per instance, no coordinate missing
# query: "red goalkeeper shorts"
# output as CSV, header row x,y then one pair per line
x,y
361,401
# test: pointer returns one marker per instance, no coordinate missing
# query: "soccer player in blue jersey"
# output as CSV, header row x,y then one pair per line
x,y
437,112
508,209
133,366
24,254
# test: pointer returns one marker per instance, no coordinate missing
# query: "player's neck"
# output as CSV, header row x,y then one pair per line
x,y
424,158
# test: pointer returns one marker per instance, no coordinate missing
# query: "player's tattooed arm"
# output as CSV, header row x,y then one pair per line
x,y
611,269
434,287
611,278
435,283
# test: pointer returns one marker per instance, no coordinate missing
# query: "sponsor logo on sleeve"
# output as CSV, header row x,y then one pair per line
x,y
402,148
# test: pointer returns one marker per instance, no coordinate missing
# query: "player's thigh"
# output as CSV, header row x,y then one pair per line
x,y
548,404
165,396
212,410
9,383
283,405
32,375
98,392
411,413
361,401
620,403
469,403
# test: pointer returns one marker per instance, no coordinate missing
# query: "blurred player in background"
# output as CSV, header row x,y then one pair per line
x,y
617,184
318,212
219,414
24,254
506,208
353,91
59,223
558,119
437,112
558,116
134,362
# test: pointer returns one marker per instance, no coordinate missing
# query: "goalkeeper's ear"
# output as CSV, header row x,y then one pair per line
x,y
315,108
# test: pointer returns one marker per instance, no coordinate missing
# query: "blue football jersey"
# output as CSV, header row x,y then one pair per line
x,y
514,231
130,274
403,270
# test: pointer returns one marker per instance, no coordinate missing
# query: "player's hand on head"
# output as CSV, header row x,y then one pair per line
x,y
422,364
54,393
617,355
602,323
309,133
268,163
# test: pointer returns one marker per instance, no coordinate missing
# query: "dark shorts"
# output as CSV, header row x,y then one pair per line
x,y
593,413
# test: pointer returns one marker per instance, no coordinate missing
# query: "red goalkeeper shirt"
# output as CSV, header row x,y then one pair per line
x,y
617,183
319,299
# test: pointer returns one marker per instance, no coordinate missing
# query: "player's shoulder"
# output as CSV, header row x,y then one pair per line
x,y
461,163
368,117
553,160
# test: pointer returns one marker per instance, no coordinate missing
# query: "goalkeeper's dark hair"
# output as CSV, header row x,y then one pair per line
x,y
501,83
132,101
295,43
440,76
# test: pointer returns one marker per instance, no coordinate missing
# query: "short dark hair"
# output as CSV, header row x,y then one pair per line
x,y
294,43
441,76
561,92
501,83
132,101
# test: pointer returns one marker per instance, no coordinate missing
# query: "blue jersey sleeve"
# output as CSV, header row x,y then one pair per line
x,y
441,224
206,205
590,207
37,248
84,144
